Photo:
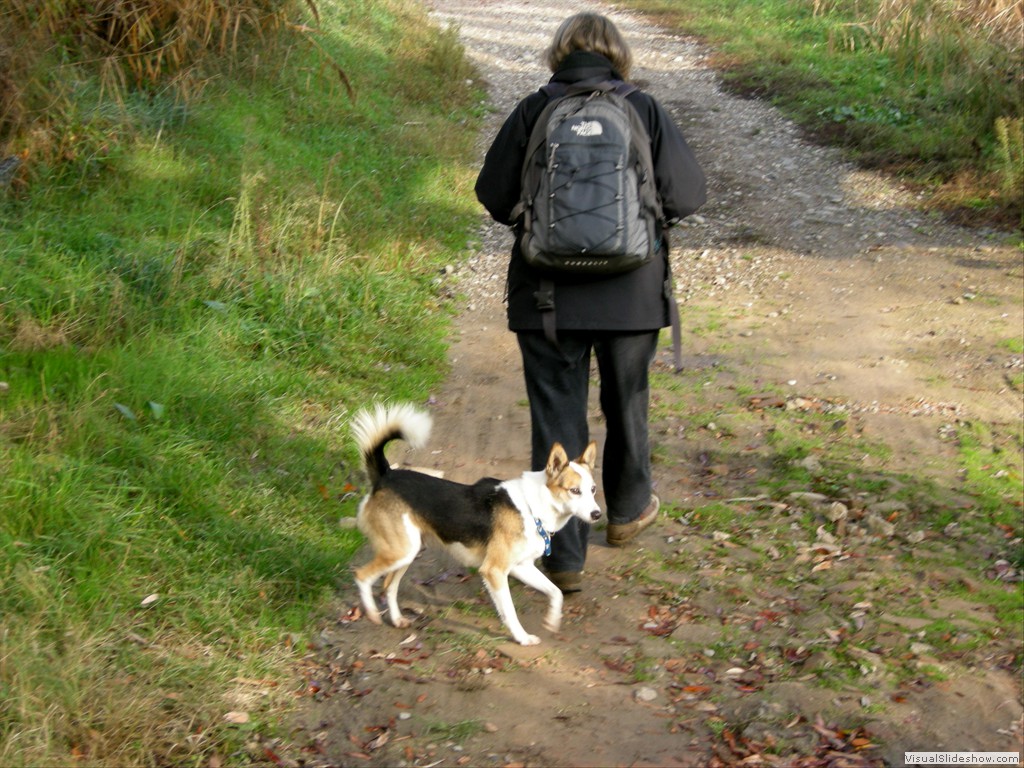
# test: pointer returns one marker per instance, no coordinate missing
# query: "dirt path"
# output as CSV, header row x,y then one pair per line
x,y
735,632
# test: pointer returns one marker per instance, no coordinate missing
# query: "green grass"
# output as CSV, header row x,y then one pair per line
x,y
458,732
193,304
902,85
718,516
994,475
1014,345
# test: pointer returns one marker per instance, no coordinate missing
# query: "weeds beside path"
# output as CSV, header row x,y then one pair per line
x,y
837,579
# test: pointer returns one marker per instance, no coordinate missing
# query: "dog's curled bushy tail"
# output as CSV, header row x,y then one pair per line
x,y
375,427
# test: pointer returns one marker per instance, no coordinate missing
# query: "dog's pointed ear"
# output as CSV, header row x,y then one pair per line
x,y
589,457
557,460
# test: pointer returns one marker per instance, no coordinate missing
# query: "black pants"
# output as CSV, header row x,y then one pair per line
x,y
557,383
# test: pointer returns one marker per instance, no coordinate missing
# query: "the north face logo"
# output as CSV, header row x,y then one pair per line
x,y
588,128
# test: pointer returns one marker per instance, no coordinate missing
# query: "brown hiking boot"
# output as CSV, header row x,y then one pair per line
x,y
567,581
621,535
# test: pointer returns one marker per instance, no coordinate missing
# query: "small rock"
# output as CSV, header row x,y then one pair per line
x,y
837,511
808,497
811,464
645,694
825,536
8,167
886,508
879,526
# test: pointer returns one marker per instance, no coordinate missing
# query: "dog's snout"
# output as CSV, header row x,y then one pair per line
x,y
595,515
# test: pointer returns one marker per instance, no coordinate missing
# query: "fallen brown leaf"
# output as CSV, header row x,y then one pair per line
x,y
379,741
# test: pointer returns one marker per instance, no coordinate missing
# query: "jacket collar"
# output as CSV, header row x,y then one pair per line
x,y
584,65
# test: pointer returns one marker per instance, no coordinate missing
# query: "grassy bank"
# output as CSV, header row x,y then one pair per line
x,y
198,286
929,90
205,265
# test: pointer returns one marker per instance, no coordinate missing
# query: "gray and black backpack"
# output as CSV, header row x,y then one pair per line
x,y
589,202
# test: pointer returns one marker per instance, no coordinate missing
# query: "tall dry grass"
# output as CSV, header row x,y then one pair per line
x,y
49,48
910,30
894,24
151,39
1002,20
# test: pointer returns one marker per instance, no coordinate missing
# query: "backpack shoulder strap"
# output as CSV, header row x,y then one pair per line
x,y
554,89
642,143
624,89
529,173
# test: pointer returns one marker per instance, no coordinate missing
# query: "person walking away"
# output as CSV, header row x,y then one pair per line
x,y
616,319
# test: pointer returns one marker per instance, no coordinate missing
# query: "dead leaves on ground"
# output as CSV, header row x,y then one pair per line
x,y
379,736
836,748
753,612
328,678
662,620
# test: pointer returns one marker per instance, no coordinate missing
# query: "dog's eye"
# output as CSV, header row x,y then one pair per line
x,y
575,491
593,490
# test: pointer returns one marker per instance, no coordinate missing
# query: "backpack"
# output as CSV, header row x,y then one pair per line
x,y
589,202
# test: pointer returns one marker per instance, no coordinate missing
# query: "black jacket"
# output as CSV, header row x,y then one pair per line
x,y
634,301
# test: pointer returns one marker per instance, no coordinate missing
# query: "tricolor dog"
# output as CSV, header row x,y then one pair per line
x,y
499,527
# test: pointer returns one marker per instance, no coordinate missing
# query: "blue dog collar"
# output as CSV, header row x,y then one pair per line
x,y
544,535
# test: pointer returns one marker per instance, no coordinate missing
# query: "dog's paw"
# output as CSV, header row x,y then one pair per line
x,y
553,623
373,618
528,640
401,622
